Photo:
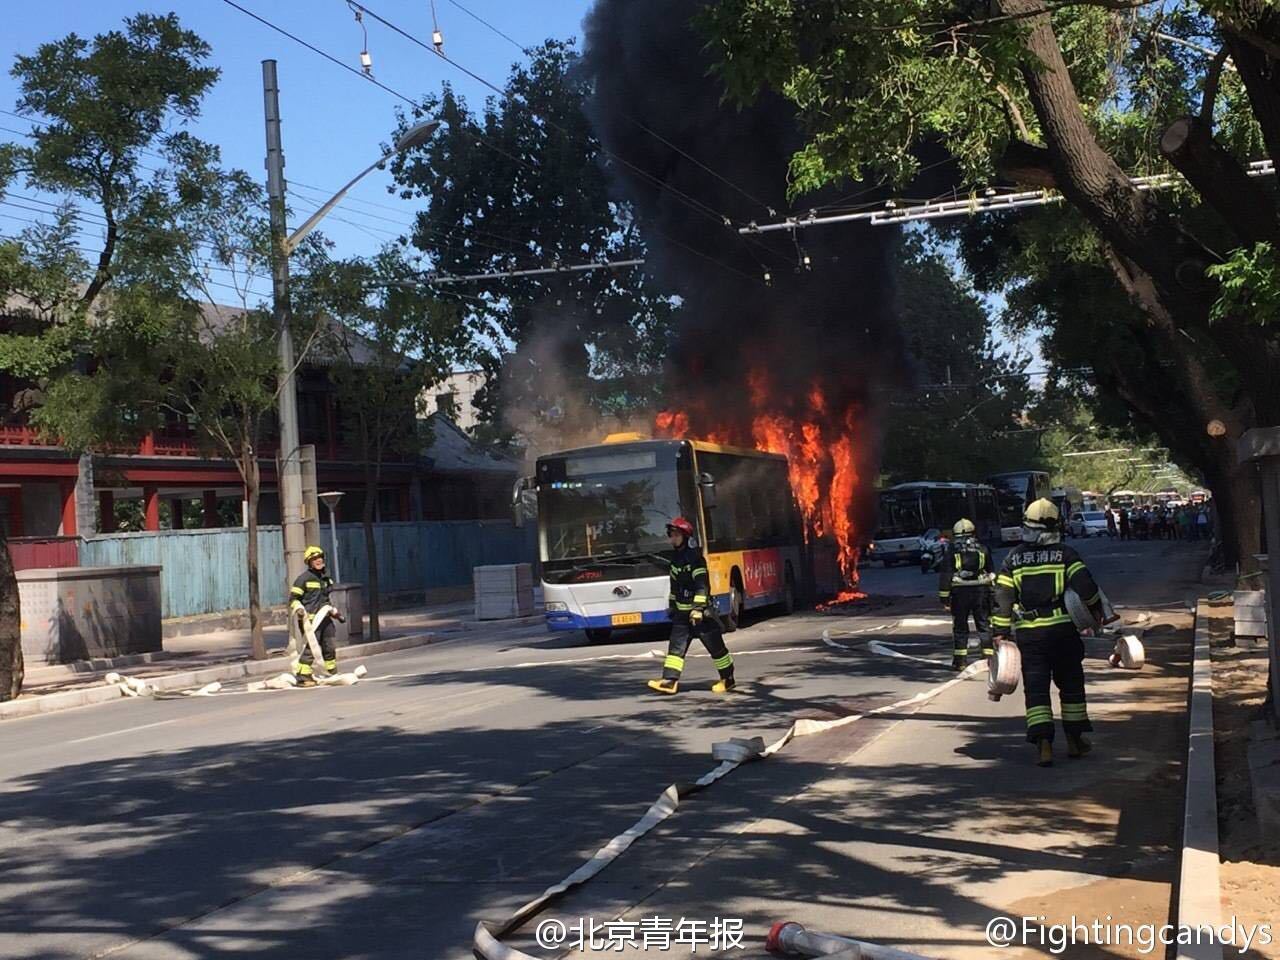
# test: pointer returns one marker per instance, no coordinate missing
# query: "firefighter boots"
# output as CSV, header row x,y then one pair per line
x,y
1077,746
664,686
723,685
1046,753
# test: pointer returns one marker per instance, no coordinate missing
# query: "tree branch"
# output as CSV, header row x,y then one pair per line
x,y
1212,80
1256,70
1027,163
1014,112
1189,145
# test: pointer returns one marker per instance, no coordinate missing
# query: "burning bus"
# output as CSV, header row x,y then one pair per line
x,y
602,516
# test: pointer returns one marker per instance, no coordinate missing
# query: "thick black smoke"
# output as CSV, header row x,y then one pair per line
x,y
829,326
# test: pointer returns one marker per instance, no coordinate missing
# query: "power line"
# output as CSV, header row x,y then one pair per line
x,y
283,32
433,280
366,76
653,133
475,16
694,203
991,201
245,291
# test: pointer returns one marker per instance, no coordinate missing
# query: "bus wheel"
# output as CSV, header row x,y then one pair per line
x,y
599,634
789,593
734,617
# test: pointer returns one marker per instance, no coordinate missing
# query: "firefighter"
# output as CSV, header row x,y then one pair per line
x,y
964,586
310,593
691,614
1029,602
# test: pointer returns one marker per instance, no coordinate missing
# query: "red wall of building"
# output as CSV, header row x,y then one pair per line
x,y
41,553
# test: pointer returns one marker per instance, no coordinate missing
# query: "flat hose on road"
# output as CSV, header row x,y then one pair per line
x,y
487,942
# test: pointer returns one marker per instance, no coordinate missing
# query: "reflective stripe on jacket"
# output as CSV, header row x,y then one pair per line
x,y
690,585
1031,584
966,564
310,591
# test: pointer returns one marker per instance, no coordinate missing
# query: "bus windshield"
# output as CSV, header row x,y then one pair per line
x,y
899,516
610,504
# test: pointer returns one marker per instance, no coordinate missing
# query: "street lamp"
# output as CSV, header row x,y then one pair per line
x,y
413,137
330,500
283,244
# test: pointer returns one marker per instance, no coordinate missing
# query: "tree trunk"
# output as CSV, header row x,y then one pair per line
x,y
372,603
252,486
1238,505
12,669
1130,222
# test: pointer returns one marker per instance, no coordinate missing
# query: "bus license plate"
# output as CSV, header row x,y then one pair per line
x,y
626,619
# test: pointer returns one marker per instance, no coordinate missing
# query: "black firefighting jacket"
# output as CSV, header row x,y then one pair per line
x,y
690,584
967,564
310,591
1030,587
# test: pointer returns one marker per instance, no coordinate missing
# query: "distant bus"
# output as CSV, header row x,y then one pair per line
x,y
602,517
909,510
1017,491
1131,499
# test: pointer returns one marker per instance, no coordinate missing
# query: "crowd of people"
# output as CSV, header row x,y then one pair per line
x,y
1185,522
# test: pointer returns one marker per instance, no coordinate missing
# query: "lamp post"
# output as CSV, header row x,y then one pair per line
x,y
282,245
330,500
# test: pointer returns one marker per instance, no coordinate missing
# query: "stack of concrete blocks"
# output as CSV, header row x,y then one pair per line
x,y
82,613
504,592
1251,616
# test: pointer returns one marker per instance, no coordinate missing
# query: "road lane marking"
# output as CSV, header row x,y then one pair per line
x,y
113,733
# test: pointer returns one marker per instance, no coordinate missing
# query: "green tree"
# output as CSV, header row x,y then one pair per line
x,y
388,344
521,184
963,419
106,104
117,345
1075,98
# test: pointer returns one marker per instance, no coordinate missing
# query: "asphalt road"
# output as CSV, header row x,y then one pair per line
x,y
385,819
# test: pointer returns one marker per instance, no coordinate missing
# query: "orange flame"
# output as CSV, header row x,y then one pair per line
x,y
822,455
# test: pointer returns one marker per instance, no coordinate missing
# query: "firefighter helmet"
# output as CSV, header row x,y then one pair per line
x,y
964,528
1042,515
311,553
681,524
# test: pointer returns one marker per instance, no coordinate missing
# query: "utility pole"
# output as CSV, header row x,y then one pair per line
x,y
290,479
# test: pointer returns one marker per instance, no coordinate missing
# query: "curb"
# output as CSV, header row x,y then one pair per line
x,y
238,670
69,671
1199,897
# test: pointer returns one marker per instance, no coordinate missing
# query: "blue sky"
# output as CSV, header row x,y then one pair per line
x,y
333,121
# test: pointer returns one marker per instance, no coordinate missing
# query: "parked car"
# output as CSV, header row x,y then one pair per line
x,y
893,551
1090,523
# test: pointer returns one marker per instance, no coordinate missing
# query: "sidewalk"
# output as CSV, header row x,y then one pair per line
x,y
1248,847
915,830
196,652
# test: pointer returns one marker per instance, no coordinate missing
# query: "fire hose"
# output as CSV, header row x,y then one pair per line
x,y
487,942
790,939
1128,652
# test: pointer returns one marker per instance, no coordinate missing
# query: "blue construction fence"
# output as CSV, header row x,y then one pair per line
x,y
204,570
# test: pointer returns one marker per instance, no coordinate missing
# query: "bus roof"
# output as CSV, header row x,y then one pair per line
x,y
1015,473
652,444
936,485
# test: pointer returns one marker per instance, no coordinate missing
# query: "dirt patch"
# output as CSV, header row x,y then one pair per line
x,y
1250,860
1123,905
